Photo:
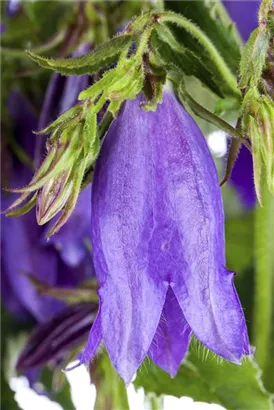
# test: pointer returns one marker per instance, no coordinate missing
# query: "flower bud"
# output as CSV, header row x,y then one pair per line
x,y
258,123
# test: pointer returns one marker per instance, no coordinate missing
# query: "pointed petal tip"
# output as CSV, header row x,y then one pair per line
x,y
172,337
70,368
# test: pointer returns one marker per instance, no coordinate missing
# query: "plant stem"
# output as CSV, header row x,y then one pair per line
x,y
264,276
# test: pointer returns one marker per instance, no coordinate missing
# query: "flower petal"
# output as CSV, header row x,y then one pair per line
x,y
94,340
202,285
172,337
157,221
132,294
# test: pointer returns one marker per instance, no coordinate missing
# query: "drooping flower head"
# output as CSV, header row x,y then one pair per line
x,y
158,243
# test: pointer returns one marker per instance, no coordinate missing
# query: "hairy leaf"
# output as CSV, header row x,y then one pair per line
x,y
89,63
205,378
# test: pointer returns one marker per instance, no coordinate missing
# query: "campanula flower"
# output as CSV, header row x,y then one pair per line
x,y
158,244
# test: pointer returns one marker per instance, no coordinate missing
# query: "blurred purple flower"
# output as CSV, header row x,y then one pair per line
x,y
244,14
13,7
51,340
158,244
22,250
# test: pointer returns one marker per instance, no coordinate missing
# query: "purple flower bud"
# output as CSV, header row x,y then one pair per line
x,y
70,240
245,15
51,340
158,243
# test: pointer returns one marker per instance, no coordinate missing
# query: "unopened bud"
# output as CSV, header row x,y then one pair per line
x,y
258,123
53,196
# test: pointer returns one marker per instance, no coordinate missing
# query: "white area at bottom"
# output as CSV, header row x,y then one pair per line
x,y
83,396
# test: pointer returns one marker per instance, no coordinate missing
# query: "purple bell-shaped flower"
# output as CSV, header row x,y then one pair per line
x,y
158,244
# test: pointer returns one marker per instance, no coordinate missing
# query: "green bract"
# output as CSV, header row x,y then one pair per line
x,y
142,57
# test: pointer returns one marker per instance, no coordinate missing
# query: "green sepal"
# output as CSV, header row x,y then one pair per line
x,y
96,89
233,152
53,196
173,56
24,209
65,160
89,130
77,177
63,118
252,130
114,107
89,63
266,12
45,166
254,58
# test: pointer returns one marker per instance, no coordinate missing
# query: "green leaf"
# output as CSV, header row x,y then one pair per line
x,y
213,25
185,61
89,63
254,58
212,18
110,388
210,380
239,242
